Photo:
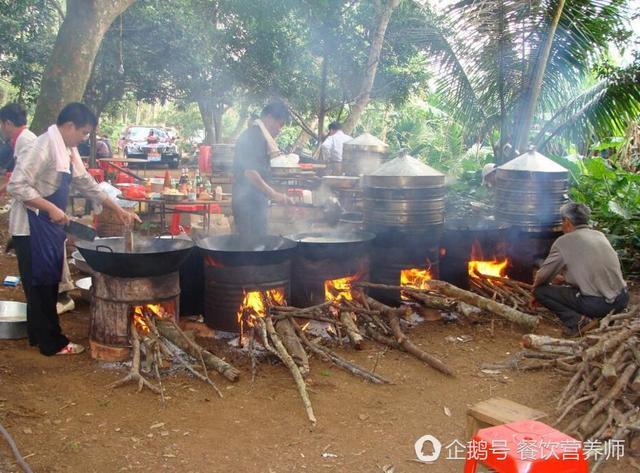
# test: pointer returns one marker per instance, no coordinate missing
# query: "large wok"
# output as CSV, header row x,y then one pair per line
x,y
335,245
234,250
150,256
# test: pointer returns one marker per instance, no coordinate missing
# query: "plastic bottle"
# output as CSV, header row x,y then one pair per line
x,y
218,193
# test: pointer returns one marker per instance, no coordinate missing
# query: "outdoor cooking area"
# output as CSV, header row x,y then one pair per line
x,y
409,293
387,236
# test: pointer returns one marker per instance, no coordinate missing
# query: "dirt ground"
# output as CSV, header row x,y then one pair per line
x,y
64,419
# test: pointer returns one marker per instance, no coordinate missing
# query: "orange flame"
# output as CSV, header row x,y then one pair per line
x,y
340,289
488,268
255,304
416,278
140,320
480,266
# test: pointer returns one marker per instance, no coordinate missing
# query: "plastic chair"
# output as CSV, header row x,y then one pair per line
x,y
526,446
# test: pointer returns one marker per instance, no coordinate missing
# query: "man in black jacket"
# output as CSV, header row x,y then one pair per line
x,y
252,173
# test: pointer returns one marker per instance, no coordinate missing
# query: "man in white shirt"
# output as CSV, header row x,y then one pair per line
x,y
41,181
332,148
13,125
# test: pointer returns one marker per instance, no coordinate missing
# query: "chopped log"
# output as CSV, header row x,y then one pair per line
x,y
513,315
292,343
608,344
357,340
409,347
635,385
337,360
382,339
289,363
609,367
430,301
172,333
613,393
549,344
134,373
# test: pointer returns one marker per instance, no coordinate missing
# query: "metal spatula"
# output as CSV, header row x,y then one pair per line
x,y
78,230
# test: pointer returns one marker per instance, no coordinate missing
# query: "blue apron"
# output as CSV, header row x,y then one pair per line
x,y
47,239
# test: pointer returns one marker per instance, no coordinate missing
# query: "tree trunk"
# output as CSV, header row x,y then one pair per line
x,y
217,112
241,124
303,137
322,103
207,121
535,83
372,66
71,61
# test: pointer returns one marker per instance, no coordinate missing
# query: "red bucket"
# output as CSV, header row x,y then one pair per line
x,y
204,159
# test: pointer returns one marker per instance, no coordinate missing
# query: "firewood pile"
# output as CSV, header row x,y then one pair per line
x,y
355,318
158,343
510,292
601,401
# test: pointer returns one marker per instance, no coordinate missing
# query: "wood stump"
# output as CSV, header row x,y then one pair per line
x,y
112,303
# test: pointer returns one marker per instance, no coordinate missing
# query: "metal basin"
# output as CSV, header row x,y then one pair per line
x,y
84,285
13,320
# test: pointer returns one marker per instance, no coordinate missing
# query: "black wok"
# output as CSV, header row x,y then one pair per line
x,y
234,250
150,256
332,244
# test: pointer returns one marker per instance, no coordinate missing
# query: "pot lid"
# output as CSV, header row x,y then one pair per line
x,y
406,166
367,139
532,161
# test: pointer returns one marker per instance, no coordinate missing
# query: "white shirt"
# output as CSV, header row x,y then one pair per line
x,y
36,175
332,146
18,223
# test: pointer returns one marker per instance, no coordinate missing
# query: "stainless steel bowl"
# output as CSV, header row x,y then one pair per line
x,y
13,320
84,285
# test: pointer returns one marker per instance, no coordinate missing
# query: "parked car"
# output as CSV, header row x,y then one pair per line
x,y
152,144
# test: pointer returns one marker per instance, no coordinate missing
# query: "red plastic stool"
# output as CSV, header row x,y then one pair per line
x,y
174,229
526,446
122,178
98,174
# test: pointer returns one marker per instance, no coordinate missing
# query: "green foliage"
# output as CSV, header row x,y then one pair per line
x,y
27,33
614,197
486,53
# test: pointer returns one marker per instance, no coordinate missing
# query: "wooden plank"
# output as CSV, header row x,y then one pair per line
x,y
497,411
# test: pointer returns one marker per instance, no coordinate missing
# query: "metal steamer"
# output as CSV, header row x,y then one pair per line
x,y
363,155
404,207
530,190
404,197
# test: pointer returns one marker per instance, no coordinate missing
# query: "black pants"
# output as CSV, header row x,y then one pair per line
x,y
569,305
43,326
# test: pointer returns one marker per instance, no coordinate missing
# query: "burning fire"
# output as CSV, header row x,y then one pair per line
x,y
340,289
256,303
479,266
415,277
141,316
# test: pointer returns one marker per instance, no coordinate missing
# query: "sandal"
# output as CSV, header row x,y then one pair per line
x,y
71,349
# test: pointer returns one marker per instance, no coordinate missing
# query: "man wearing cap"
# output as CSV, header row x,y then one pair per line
x,y
594,283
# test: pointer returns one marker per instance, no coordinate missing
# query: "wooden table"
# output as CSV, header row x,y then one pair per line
x,y
165,207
